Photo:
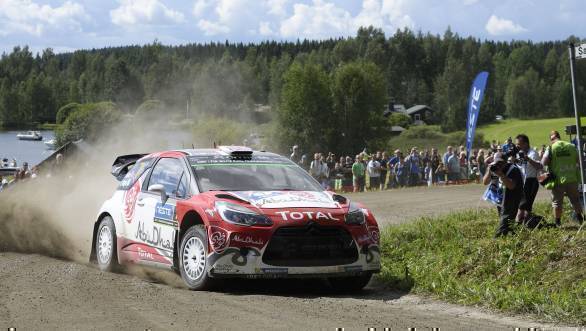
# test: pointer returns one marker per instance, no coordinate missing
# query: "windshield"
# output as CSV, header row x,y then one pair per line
x,y
251,176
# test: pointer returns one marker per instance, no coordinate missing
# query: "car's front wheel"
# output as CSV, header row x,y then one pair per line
x,y
349,284
105,242
193,259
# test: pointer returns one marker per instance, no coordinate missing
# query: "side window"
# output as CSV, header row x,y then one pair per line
x,y
167,172
134,173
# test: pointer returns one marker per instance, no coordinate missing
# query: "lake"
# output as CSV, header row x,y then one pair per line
x,y
32,152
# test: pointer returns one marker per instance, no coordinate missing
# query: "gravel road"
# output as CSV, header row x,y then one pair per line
x,y
40,292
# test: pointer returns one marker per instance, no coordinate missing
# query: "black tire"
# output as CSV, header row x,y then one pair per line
x,y
106,258
195,281
349,284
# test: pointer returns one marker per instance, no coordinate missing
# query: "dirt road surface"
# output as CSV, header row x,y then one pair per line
x,y
39,292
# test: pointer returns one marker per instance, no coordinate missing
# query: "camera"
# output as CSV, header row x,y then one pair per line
x,y
512,151
494,167
521,155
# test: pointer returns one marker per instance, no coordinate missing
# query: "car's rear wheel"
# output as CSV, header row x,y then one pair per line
x,y
349,284
193,259
105,241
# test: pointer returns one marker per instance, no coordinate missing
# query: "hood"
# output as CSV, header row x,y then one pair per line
x,y
287,199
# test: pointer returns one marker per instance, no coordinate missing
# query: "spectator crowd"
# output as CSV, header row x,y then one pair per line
x,y
512,171
381,170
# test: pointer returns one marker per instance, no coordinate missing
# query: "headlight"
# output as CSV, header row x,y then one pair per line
x,y
240,215
355,215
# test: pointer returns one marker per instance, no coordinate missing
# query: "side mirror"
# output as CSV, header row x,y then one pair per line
x,y
159,188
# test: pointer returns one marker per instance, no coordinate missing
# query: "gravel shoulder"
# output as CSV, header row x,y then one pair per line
x,y
40,292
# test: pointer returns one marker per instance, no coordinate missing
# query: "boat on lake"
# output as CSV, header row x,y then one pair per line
x,y
30,135
51,144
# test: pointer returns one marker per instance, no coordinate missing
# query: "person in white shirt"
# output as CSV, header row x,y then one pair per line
x,y
530,165
373,170
315,168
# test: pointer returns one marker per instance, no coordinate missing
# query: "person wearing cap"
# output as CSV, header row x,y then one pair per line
x,y
562,161
511,181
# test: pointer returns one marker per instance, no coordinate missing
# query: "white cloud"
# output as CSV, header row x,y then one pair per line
x,y
264,29
30,17
395,11
322,19
135,12
499,26
236,16
200,7
212,28
317,21
277,7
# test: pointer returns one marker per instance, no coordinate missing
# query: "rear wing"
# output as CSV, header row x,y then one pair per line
x,y
123,163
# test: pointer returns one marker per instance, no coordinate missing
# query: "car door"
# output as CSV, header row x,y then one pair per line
x,y
155,224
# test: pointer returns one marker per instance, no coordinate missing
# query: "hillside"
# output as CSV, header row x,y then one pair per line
x,y
537,130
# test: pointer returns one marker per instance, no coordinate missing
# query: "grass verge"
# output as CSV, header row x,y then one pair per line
x,y
537,130
455,258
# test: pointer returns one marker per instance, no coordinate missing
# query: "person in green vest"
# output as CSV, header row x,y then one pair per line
x,y
561,158
358,174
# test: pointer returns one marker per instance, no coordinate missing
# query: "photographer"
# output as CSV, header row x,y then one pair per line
x,y
530,165
511,181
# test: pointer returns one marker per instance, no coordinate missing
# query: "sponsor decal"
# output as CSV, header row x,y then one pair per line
x,y
218,238
280,199
308,215
237,258
130,197
273,270
375,234
165,214
246,239
224,268
145,255
210,212
154,237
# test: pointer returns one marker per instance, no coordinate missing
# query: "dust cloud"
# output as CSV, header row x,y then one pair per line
x,y
54,213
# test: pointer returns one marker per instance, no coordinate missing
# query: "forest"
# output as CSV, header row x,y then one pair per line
x,y
315,91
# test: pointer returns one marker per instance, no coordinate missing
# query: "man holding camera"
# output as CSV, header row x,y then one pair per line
x,y
530,165
563,164
511,180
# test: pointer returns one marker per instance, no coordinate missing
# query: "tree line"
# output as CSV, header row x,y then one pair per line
x,y
324,93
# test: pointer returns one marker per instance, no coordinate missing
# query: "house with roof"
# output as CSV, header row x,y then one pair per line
x,y
420,114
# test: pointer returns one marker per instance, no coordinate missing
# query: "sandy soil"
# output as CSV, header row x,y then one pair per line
x,y
40,292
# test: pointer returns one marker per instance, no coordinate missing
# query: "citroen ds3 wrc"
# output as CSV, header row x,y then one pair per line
x,y
233,212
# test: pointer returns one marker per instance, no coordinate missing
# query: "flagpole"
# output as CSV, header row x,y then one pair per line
x,y
572,50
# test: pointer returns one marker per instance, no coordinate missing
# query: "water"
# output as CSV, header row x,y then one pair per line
x,y
32,152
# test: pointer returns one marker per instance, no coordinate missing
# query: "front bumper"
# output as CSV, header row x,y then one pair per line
x,y
247,262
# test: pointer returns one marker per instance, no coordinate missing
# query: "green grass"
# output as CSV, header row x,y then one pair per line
x,y
48,126
427,137
456,258
537,130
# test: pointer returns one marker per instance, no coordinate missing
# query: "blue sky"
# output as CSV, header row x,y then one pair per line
x,y
76,24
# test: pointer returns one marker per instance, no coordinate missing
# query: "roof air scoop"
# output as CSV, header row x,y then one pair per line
x,y
237,152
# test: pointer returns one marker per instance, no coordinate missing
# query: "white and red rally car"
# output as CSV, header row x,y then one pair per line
x,y
232,212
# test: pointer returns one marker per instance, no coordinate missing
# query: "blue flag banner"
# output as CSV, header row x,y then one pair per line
x,y
474,101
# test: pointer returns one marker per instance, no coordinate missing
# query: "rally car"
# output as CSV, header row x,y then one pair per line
x,y
233,212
